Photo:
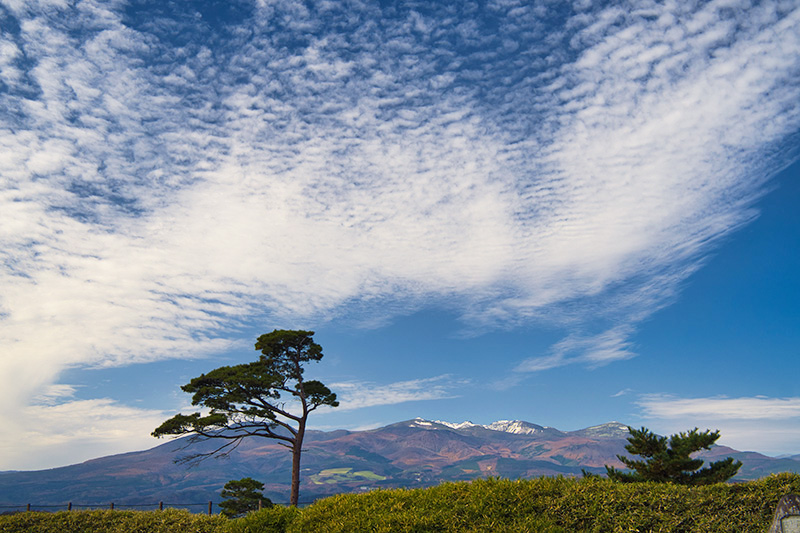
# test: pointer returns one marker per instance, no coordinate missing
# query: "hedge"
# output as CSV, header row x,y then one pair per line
x,y
487,505
554,504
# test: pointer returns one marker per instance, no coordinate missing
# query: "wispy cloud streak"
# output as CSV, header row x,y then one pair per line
x,y
357,395
755,408
762,423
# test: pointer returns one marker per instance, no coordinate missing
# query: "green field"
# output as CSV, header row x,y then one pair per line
x,y
488,505
344,475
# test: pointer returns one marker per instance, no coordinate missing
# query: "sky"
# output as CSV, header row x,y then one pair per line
x,y
564,213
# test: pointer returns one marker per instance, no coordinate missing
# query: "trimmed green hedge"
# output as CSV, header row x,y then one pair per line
x,y
166,521
554,504
486,505
274,519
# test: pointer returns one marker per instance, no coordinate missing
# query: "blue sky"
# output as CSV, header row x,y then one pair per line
x,y
562,213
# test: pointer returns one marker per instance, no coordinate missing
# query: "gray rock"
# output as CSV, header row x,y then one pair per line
x,y
787,515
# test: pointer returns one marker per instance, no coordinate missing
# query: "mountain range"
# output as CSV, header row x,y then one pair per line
x,y
410,454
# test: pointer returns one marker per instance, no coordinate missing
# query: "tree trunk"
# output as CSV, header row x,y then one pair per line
x,y
296,449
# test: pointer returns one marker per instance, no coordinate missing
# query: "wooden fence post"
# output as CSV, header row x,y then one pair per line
x,y
112,506
209,508
160,506
29,508
69,506
259,504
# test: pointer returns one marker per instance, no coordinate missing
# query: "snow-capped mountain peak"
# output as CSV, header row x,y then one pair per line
x,y
518,427
461,425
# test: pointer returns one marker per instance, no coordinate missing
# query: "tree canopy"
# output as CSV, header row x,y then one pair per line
x,y
669,459
266,398
242,496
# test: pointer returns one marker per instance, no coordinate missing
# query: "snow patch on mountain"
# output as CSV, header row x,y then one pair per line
x,y
462,425
607,430
518,427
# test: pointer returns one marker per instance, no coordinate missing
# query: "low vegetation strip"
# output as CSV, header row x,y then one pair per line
x,y
545,504
555,504
167,521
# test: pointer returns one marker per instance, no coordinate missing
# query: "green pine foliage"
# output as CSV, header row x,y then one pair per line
x,y
243,496
670,461
249,400
589,505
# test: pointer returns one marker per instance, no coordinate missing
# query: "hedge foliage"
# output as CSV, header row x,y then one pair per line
x,y
544,504
276,519
166,521
555,504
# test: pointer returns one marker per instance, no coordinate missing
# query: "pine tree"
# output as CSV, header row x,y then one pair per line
x,y
669,460
242,496
250,400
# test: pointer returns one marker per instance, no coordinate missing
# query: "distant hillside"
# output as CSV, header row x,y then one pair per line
x,y
414,453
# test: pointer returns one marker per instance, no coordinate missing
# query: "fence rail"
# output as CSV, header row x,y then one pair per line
x,y
69,506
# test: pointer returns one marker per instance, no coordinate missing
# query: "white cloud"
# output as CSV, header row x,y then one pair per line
x,y
755,408
55,394
598,350
760,423
74,431
357,427
154,196
358,395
